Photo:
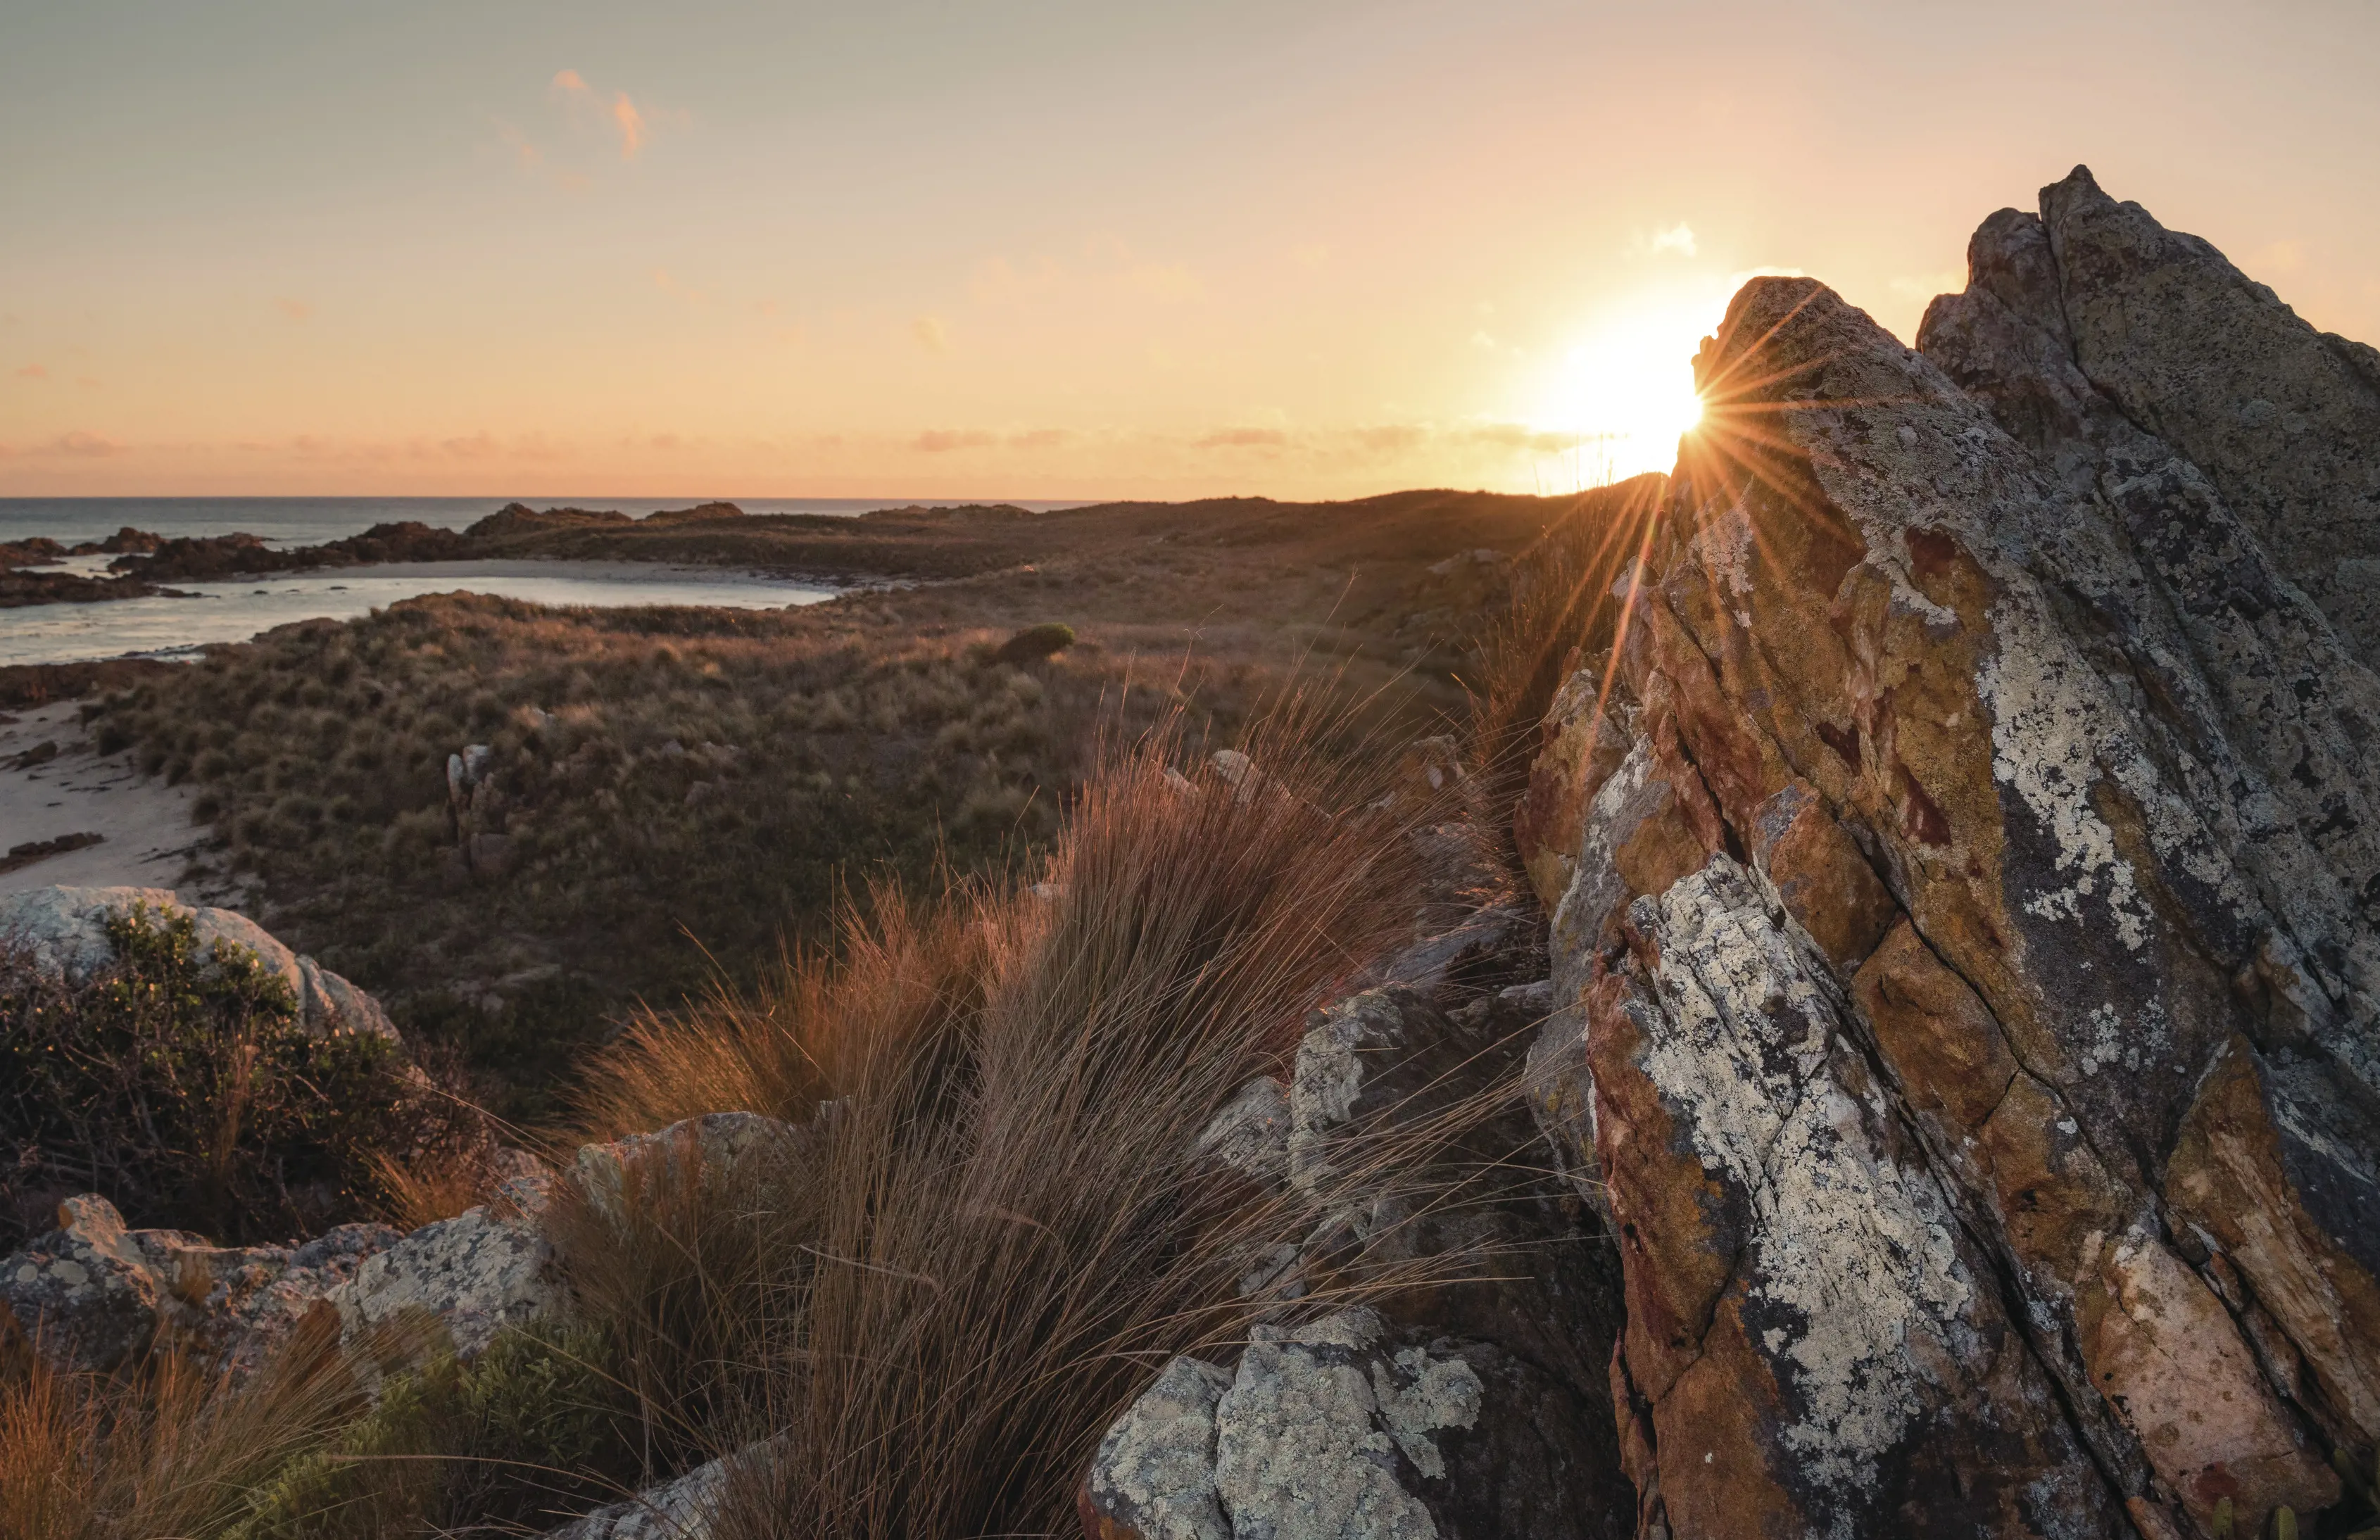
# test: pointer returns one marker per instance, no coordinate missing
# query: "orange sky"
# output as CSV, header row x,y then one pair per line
x,y
1056,249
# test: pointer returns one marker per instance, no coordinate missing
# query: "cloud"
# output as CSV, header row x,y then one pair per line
x,y
1678,237
1396,439
631,124
295,310
942,441
627,119
80,444
34,372
1243,438
1038,437
930,334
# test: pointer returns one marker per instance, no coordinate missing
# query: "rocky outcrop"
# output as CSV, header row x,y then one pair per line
x,y
1962,877
96,1295
61,933
1464,1405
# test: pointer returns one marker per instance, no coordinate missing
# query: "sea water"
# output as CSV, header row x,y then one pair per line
x,y
236,610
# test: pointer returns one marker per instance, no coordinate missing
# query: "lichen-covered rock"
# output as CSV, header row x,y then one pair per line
x,y
96,1295
679,1509
63,932
1340,1429
708,1146
468,1277
87,1294
1967,975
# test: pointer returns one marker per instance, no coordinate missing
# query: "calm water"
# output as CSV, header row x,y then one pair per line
x,y
232,612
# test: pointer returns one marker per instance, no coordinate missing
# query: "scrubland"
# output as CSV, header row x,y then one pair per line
x,y
675,792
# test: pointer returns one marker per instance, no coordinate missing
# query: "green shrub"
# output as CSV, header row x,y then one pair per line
x,y
534,1427
1036,642
187,1092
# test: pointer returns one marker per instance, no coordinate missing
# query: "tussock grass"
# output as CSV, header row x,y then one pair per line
x,y
169,1451
997,1226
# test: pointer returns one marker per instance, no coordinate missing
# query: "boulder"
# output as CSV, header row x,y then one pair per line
x,y
679,1509
61,933
1475,1401
713,1146
1962,875
1339,1429
94,1296
466,1278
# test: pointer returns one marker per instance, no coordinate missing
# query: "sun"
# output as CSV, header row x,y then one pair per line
x,y
1624,394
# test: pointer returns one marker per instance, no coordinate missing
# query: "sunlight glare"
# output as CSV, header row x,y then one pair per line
x,y
1625,393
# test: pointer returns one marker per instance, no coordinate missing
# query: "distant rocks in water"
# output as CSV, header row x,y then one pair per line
x,y
701,513
519,518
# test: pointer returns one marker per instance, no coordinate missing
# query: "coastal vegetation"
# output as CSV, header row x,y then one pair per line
x,y
655,794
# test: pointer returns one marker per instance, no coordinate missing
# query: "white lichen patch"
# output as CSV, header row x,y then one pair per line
x,y
2047,746
1851,1254
1300,1453
1424,1397
1724,547
1156,1467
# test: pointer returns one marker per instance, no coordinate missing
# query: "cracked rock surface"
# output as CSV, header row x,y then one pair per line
x,y
1965,909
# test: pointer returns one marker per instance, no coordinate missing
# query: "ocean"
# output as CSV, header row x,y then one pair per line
x,y
163,627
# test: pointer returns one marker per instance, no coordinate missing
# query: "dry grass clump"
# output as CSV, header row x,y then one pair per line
x,y
995,1226
168,1450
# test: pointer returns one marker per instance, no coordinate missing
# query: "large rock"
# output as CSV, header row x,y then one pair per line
x,y
1340,1430
61,933
462,1280
1964,876
96,1295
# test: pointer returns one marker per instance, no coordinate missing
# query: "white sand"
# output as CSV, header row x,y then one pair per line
x,y
149,840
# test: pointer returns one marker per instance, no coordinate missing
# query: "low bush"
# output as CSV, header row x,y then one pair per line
x,y
1035,642
188,1092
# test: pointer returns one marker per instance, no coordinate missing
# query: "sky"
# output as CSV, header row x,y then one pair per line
x,y
1067,248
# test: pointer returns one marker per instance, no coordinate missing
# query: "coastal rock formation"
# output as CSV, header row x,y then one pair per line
x,y
63,932
1962,871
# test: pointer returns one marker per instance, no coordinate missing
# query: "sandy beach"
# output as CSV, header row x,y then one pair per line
x,y
146,837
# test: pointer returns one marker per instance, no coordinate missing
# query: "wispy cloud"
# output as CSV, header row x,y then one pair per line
x,y
930,334
627,118
1243,438
942,441
295,310
34,372
1678,238
78,443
